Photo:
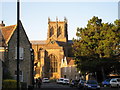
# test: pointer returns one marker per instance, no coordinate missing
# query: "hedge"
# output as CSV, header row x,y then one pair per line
x,y
9,84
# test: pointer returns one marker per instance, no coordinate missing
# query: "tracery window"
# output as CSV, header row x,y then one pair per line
x,y
53,63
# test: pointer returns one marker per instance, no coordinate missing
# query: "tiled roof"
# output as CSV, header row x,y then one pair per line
x,y
7,32
70,61
38,42
1,40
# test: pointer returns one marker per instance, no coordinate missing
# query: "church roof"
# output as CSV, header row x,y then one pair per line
x,y
7,31
38,42
60,43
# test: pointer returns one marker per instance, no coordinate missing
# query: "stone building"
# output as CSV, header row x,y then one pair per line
x,y
2,53
50,52
25,62
69,70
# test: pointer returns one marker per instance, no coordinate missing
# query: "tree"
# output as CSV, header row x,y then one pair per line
x,y
96,46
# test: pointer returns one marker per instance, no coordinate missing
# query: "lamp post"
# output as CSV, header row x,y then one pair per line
x,y
18,10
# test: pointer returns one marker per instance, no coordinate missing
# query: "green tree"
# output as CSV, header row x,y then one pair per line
x,y
96,46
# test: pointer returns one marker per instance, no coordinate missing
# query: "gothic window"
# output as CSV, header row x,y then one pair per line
x,y
39,53
59,31
51,31
53,63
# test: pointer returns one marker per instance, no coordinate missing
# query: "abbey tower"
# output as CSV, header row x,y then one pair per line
x,y
50,52
57,30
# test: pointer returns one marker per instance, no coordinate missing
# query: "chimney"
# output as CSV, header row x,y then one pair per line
x,y
2,24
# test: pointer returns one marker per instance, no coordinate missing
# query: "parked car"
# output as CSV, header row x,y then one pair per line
x,y
45,80
115,82
66,81
74,83
91,84
60,81
106,82
81,84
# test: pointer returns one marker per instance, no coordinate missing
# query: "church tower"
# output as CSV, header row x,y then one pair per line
x,y
57,30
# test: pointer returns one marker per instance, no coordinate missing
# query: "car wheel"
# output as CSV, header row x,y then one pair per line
x,y
117,86
85,89
110,86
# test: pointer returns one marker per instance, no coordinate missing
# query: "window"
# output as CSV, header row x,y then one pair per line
x,y
21,53
53,63
59,31
65,69
20,76
51,31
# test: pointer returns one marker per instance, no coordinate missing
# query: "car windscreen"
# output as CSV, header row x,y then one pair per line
x,y
107,80
46,79
92,82
82,81
61,79
66,80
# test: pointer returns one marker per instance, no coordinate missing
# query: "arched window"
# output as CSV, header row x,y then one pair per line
x,y
51,31
53,63
59,31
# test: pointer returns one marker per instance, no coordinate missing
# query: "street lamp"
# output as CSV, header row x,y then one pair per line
x,y
18,10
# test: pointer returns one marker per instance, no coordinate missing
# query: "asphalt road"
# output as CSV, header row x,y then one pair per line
x,y
54,86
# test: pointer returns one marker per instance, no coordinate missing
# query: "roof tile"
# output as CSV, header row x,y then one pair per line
x,y
7,31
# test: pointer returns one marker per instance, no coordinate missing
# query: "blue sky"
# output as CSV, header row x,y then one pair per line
x,y
34,15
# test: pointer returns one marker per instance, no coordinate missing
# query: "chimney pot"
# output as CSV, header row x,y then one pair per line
x,y
2,24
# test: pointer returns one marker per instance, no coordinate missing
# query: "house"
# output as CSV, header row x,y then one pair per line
x,y
68,69
2,52
25,59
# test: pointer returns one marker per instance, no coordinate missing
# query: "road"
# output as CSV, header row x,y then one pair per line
x,y
54,86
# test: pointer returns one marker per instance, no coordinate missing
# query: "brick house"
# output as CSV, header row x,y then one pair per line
x,y
10,35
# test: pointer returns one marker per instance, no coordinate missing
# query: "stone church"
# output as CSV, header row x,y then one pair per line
x,y
49,53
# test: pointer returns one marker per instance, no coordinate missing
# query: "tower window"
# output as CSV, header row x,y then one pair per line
x,y
51,31
59,31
